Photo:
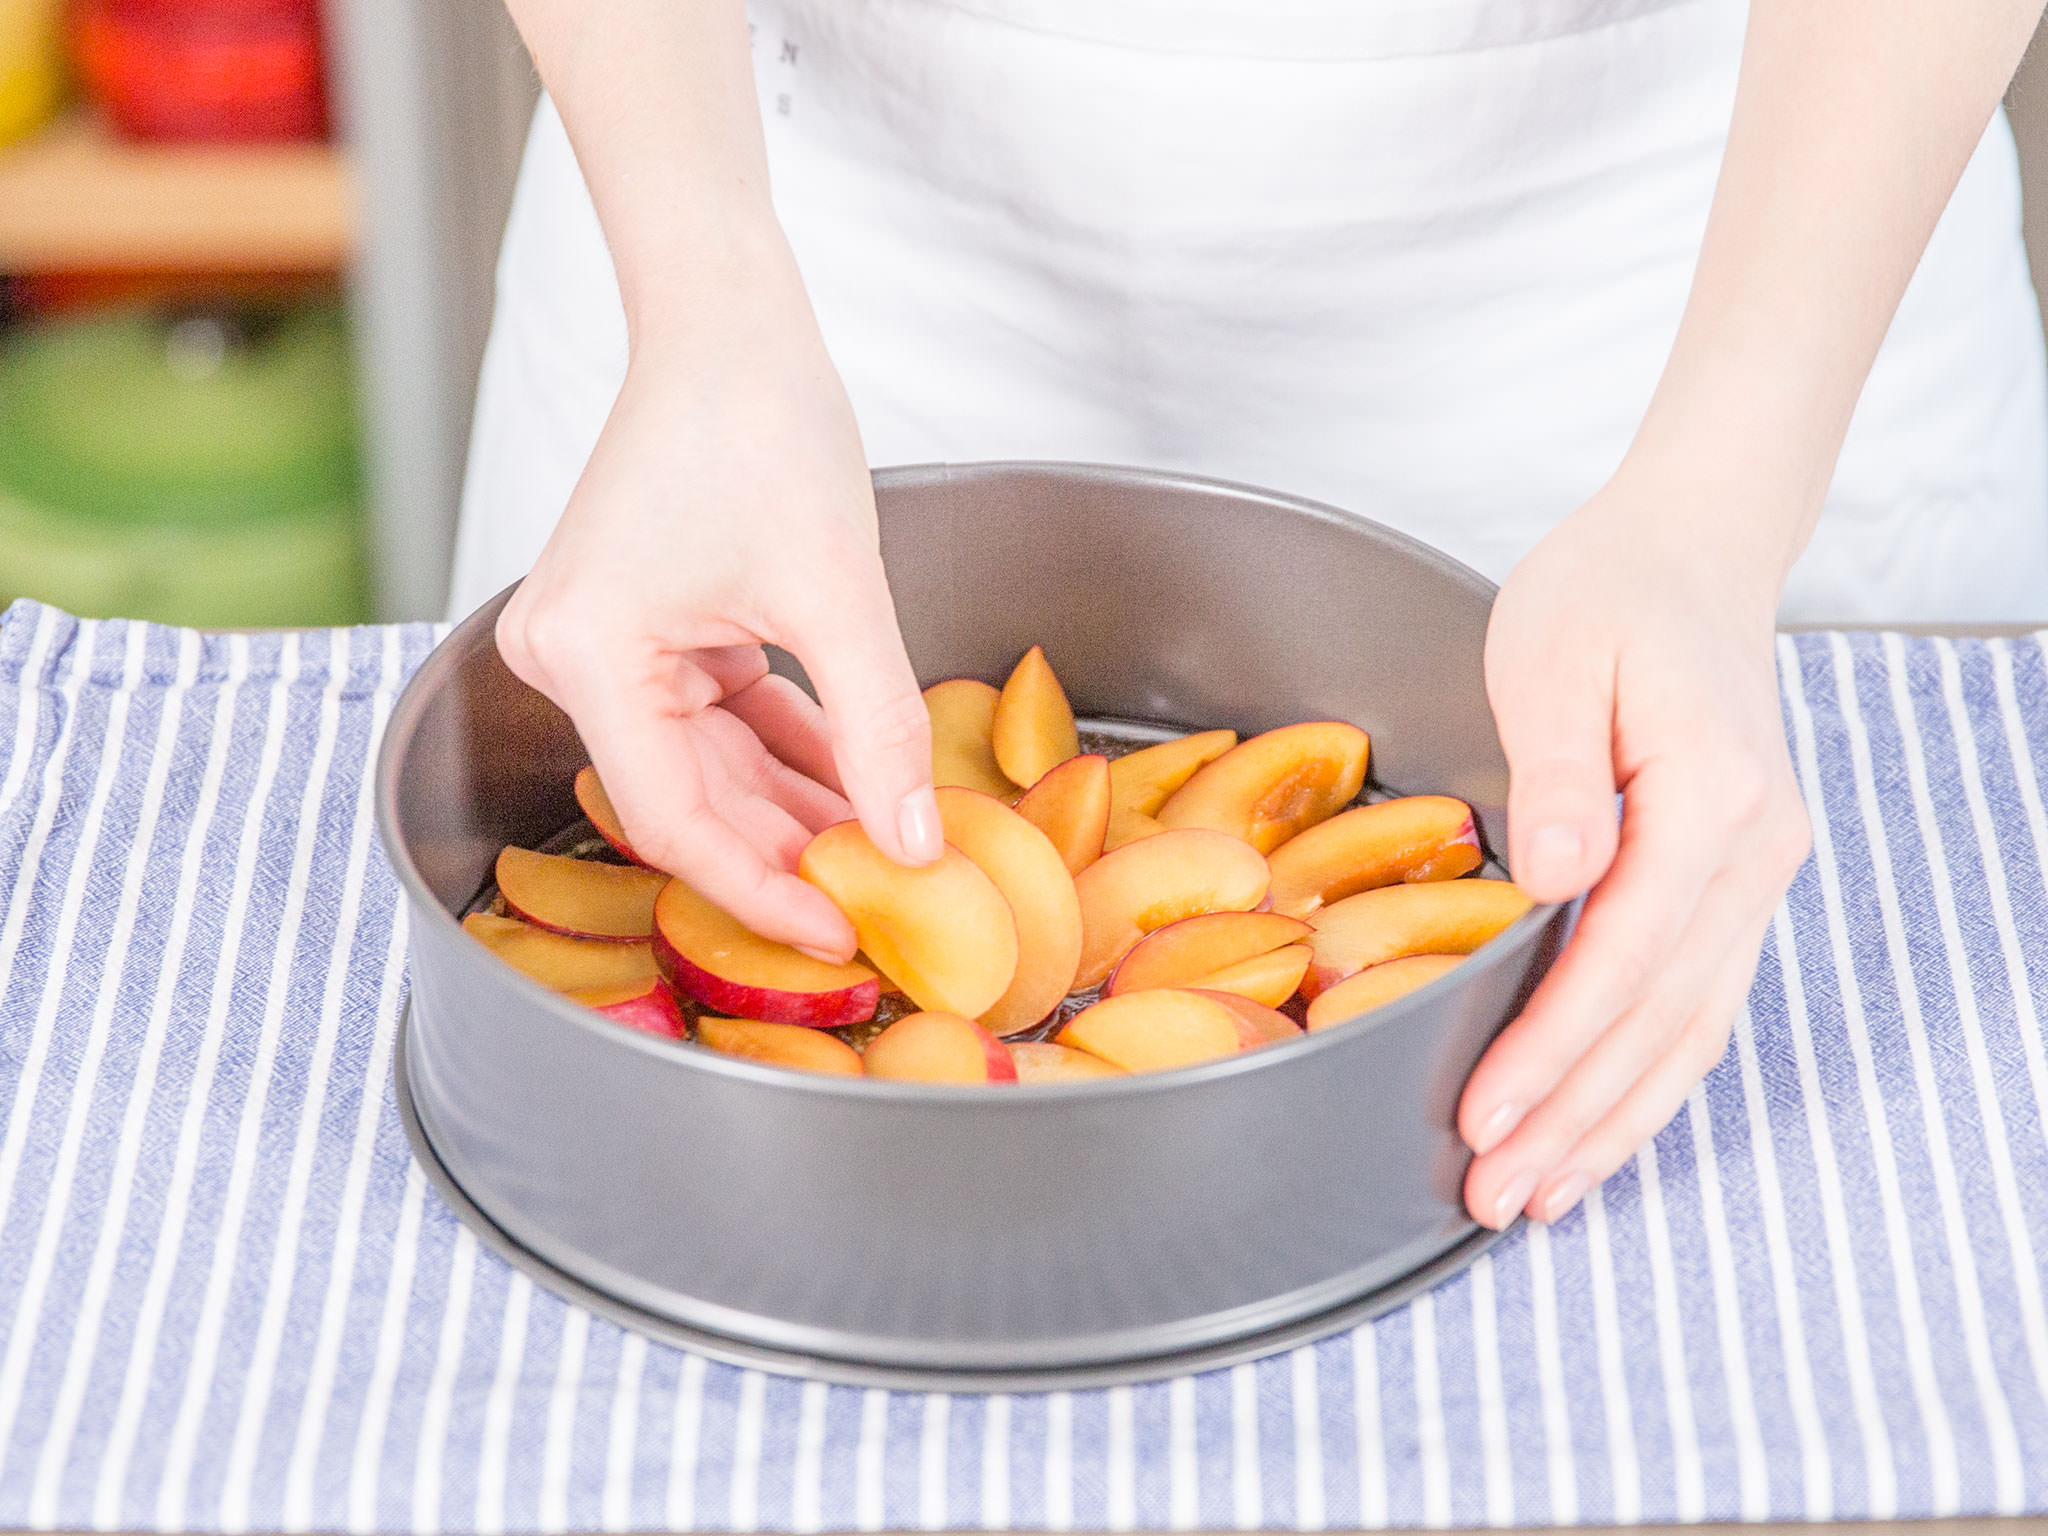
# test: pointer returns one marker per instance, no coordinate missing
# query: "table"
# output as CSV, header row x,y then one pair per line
x,y
230,1301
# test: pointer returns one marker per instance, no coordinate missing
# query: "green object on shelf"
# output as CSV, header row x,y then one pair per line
x,y
193,418
194,468
302,568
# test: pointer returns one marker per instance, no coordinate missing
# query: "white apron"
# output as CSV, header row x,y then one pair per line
x,y
1421,259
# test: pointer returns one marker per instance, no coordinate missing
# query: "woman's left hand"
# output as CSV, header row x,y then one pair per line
x,y
1629,651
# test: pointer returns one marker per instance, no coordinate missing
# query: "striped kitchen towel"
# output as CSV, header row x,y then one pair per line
x,y
228,1300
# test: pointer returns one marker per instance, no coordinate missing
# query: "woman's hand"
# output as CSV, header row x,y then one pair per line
x,y
728,504
1632,649
1627,653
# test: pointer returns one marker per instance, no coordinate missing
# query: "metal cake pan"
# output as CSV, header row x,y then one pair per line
x,y
925,1234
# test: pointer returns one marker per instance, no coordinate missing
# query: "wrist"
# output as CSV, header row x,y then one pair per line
x,y
1741,437
720,266
1707,525
1731,484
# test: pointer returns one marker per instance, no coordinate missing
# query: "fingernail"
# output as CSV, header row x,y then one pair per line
x,y
1564,1194
917,824
1503,1120
824,955
1511,1200
1556,848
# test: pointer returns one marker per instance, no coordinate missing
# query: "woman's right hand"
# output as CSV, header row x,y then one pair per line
x,y
727,505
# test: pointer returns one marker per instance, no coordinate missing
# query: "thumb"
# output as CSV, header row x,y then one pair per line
x,y
1556,725
881,731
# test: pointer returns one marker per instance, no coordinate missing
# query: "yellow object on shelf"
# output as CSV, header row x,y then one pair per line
x,y
31,64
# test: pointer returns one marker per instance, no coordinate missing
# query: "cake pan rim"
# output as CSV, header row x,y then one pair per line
x,y
413,699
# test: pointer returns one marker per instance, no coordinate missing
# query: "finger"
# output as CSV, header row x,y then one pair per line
x,y
809,802
1556,728
1649,1106
743,769
730,872
1501,1182
768,829
651,769
1626,934
881,732
733,668
790,724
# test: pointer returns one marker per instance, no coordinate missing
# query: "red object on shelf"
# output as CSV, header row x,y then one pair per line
x,y
218,71
63,293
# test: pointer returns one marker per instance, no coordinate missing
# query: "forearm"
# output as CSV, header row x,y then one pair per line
x,y
1853,121
659,102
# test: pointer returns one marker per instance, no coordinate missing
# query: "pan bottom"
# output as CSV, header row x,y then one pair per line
x,y
859,1373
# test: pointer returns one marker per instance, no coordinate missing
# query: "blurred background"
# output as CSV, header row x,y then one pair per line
x,y
246,250
245,277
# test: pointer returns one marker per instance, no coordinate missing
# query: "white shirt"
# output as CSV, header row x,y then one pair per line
x,y
1421,259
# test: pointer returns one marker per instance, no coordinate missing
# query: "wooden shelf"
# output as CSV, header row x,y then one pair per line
x,y
73,198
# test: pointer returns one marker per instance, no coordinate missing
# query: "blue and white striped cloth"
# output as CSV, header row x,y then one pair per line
x,y
228,1300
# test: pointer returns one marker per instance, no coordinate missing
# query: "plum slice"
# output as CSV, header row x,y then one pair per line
x,y
1415,839
1128,827
938,1048
594,901
597,805
1145,885
1447,917
1070,805
1028,872
1257,1024
1154,1030
562,961
1033,729
648,1006
1376,986
943,932
1275,785
1142,781
1181,953
779,1045
963,713
1271,978
711,956
1043,1061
